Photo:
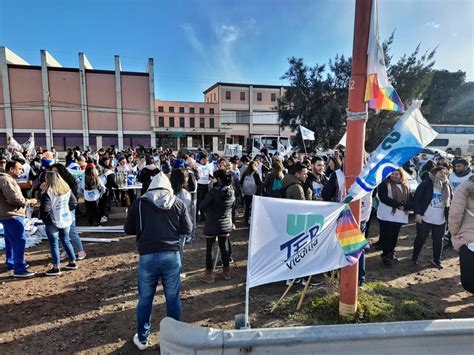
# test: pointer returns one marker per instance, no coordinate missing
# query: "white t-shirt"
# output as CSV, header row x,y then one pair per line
x,y
316,189
204,172
455,181
384,212
435,212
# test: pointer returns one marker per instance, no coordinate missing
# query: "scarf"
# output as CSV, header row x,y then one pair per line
x,y
443,185
399,195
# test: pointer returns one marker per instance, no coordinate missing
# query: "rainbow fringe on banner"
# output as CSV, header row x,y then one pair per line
x,y
349,235
382,98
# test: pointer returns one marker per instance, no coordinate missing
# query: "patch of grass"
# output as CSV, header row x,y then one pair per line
x,y
377,302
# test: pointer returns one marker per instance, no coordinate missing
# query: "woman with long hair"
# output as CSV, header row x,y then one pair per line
x,y
251,185
432,200
73,235
57,202
392,213
93,189
273,184
218,204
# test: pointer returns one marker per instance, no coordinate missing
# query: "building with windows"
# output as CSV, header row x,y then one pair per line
x,y
247,109
180,124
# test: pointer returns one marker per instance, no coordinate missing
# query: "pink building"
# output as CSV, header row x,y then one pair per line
x,y
81,106
247,109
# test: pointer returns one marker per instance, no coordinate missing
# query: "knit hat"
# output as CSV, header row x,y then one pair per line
x,y
178,164
461,161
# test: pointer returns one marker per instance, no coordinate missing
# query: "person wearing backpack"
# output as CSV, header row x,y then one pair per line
x,y
251,185
273,184
56,203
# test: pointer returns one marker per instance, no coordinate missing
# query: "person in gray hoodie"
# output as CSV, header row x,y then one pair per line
x,y
158,219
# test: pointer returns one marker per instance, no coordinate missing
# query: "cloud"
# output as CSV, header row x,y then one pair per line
x,y
193,39
432,24
228,33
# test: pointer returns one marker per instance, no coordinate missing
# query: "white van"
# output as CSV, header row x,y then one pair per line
x,y
272,143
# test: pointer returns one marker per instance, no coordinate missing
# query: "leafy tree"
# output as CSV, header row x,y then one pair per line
x,y
317,98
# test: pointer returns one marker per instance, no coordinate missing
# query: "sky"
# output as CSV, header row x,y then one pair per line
x,y
197,43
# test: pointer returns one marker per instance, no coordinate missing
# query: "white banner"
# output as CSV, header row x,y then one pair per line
x,y
408,137
307,134
290,239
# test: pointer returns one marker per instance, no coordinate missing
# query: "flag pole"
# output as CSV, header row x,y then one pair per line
x,y
348,286
304,145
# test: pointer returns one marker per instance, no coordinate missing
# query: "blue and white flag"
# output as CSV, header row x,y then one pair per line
x,y
306,134
408,137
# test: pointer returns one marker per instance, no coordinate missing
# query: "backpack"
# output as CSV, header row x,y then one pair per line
x,y
249,187
61,215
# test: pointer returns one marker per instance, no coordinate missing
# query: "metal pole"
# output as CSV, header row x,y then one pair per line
x,y
348,286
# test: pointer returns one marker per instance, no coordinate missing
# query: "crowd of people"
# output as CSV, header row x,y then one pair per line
x,y
180,190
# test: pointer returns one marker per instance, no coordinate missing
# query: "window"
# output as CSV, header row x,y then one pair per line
x,y
181,110
227,95
181,122
201,110
171,109
211,111
214,97
211,122
242,95
259,96
191,122
160,109
201,122
191,110
161,121
439,143
171,121
274,97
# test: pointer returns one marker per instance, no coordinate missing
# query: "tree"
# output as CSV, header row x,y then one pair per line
x,y
319,102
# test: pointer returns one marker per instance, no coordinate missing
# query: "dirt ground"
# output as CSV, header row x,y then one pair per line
x,y
92,309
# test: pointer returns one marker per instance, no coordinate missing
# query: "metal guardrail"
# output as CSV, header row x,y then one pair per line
x,y
435,337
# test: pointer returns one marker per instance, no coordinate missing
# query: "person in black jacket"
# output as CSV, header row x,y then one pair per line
x,y
432,199
146,174
157,219
218,205
57,225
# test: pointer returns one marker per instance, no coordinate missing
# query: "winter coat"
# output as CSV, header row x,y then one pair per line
x,y
268,186
46,208
461,214
12,202
218,205
294,189
423,197
162,220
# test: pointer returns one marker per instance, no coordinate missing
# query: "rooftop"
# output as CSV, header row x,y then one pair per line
x,y
219,83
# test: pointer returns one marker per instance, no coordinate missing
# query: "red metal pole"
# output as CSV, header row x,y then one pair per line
x,y
354,157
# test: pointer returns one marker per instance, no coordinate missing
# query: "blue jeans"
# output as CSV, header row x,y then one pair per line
x,y
54,235
363,226
165,265
15,241
74,236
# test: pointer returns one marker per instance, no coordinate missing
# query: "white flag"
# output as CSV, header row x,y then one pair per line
x,y
29,146
408,137
291,239
12,145
306,134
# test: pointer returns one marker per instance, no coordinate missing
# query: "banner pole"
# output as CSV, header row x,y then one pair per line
x,y
348,284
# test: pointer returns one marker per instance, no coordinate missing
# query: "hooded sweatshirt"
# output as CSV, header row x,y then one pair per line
x,y
158,218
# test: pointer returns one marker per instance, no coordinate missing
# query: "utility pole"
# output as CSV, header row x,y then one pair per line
x,y
354,159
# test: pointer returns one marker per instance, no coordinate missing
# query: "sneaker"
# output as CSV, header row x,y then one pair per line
x,y
313,282
71,266
104,219
139,344
294,281
54,271
81,255
24,274
437,264
63,256
387,261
